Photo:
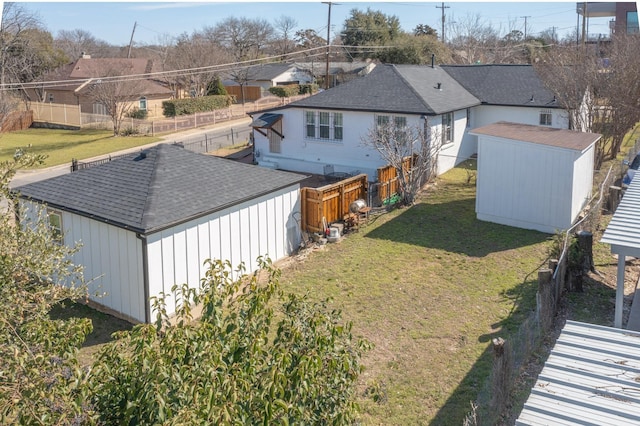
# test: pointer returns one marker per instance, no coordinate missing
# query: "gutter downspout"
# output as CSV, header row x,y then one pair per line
x,y
145,277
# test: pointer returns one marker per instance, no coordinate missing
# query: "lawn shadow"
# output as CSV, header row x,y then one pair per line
x,y
452,226
518,328
104,325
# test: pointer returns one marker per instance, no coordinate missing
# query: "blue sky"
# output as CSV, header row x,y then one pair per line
x,y
113,22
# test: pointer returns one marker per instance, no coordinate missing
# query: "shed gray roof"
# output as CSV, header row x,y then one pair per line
x,y
402,89
170,185
560,138
590,378
495,84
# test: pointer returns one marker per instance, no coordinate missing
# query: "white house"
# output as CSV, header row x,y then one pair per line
x,y
533,177
270,75
150,220
327,129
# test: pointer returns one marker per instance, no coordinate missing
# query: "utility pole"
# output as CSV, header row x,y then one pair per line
x,y
443,7
584,22
131,40
525,25
326,75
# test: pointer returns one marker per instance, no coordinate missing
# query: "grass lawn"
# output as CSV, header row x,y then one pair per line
x,y
63,145
430,286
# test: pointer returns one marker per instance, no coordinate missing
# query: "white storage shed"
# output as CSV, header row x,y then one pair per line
x,y
533,177
150,220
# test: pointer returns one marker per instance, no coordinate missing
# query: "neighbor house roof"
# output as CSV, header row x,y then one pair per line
x,y
85,68
562,138
590,377
401,89
495,84
157,188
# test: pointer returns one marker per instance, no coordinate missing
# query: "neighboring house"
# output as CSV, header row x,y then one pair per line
x,y
326,129
257,80
78,76
150,220
533,177
339,72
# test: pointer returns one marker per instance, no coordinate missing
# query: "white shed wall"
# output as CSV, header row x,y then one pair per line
x,y
524,184
266,226
112,261
310,156
584,165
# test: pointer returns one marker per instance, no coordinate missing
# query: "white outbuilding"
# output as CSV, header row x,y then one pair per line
x,y
533,177
150,220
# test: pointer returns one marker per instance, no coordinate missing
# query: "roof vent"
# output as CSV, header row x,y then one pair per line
x,y
141,156
439,86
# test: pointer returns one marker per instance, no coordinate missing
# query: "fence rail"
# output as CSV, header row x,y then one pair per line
x,y
70,115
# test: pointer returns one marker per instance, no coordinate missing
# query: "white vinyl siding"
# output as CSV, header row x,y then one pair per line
x,y
240,234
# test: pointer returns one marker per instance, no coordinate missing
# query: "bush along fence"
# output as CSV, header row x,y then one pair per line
x,y
570,259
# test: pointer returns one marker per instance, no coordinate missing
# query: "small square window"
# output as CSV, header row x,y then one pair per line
x,y
55,224
545,118
51,97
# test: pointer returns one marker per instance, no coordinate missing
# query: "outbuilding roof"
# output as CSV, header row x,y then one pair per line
x,y
497,84
561,138
590,378
400,89
157,188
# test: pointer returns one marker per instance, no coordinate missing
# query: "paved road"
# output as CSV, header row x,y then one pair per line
x,y
225,134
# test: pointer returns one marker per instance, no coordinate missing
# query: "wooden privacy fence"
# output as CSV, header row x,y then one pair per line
x,y
17,120
388,179
331,202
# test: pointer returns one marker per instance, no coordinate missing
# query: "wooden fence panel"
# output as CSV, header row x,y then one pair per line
x,y
17,120
388,178
331,202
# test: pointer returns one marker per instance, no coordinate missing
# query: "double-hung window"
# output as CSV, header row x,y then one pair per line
x,y
447,128
398,121
143,104
545,117
323,125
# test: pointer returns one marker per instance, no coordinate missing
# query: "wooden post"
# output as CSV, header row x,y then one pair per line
x,y
585,242
501,375
615,194
545,298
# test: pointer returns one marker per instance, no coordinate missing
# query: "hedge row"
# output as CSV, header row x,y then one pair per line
x,y
187,106
293,90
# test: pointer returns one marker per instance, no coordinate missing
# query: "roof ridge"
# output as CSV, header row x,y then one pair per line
x,y
150,185
413,90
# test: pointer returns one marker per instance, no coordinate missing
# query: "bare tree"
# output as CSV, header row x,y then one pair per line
x,y
75,43
284,42
117,93
600,95
243,38
398,143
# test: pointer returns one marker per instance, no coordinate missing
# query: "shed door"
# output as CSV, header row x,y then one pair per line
x,y
274,137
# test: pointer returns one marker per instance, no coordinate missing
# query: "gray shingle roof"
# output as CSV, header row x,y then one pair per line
x,y
169,186
495,84
408,89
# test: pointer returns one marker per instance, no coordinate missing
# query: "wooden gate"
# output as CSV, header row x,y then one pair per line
x,y
388,179
331,202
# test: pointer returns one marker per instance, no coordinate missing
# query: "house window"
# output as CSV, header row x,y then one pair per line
x,y
323,125
55,224
632,23
50,97
545,118
99,109
143,104
447,128
468,117
399,121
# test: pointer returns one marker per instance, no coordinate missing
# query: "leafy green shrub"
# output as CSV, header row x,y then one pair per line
x,y
240,363
137,113
215,87
285,91
310,88
176,107
129,131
